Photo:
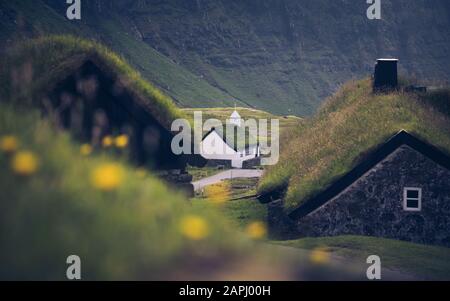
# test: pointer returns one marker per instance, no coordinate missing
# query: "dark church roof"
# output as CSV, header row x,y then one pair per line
x,y
401,138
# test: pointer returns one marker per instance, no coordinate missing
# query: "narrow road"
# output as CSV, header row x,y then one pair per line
x,y
228,174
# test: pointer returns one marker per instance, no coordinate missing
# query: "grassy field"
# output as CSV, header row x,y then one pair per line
x,y
246,113
287,123
425,262
350,124
202,172
59,198
240,212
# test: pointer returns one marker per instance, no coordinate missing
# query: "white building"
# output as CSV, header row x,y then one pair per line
x,y
235,118
216,146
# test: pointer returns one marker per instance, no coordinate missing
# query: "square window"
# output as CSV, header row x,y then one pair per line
x,y
412,199
412,203
412,194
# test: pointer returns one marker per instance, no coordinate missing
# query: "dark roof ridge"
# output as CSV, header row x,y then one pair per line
x,y
224,138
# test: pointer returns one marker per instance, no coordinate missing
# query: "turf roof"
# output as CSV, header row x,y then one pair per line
x,y
42,63
350,125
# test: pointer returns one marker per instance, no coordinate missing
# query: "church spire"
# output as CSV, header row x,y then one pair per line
x,y
235,118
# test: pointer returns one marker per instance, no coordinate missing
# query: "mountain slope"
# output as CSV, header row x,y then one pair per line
x,y
286,56
22,19
282,56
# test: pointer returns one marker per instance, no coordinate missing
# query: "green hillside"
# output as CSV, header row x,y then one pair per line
x,y
275,55
350,124
287,123
25,19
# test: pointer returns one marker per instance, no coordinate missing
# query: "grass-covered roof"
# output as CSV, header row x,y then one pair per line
x,y
44,62
350,125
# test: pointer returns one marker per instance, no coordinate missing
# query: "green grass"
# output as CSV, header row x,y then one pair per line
x,y
287,123
188,89
243,187
350,124
203,172
244,212
239,212
429,262
235,188
131,232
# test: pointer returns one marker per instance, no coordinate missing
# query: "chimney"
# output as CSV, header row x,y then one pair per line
x,y
385,77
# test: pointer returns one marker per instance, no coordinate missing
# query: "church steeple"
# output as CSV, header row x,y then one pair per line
x,y
235,118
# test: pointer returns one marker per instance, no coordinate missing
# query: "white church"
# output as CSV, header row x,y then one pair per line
x,y
215,145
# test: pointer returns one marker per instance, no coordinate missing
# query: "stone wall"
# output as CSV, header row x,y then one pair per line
x,y
216,163
248,164
373,205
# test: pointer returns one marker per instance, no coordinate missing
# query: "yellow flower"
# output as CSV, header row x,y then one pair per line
x,y
319,256
121,141
107,177
107,141
256,230
9,144
218,193
24,163
194,227
86,149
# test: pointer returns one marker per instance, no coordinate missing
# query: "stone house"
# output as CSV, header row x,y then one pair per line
x,y
399,191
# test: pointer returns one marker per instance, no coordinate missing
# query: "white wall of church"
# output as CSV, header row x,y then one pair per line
x,y
213,147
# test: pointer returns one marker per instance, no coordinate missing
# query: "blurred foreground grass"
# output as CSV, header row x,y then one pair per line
x,y
56,200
